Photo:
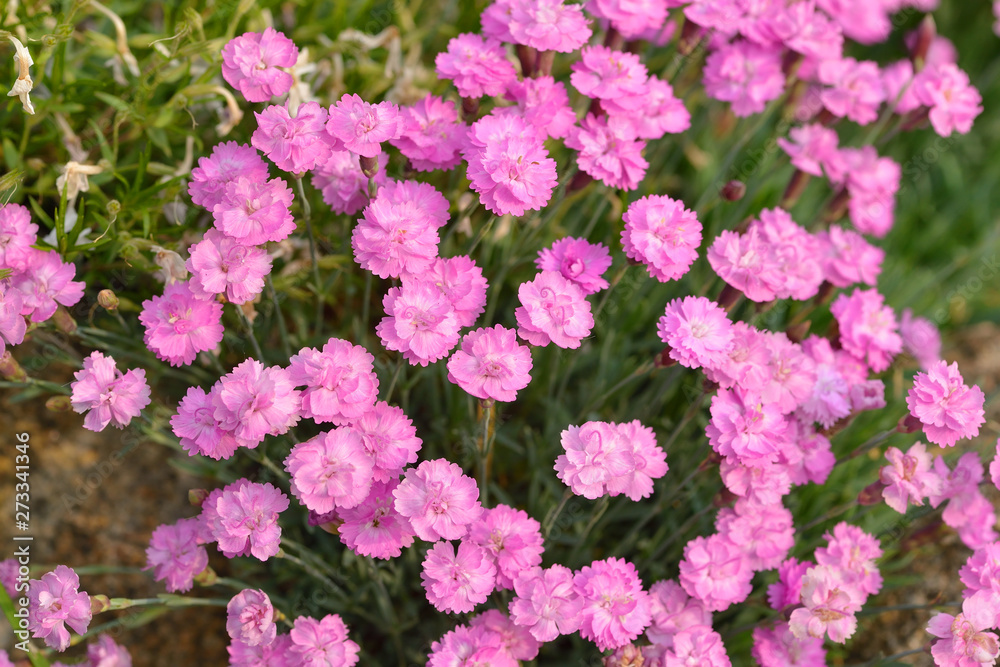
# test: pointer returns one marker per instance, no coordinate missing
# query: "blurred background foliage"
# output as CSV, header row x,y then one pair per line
x,y
145,105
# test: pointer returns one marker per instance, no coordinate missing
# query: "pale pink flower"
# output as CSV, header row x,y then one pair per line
x,y
855,91
697,645
745,75
697,330
663,235
227,162
908,477
457,581
852,553
393,238
390,439
553,310
631,18
340,382
198,429
863,21
787,590
813,149
608,75
544,103
176,555
253,401
716,572
361,126
745,429
255,212
660,113
107,395
512,538
374,527
245,519
439,500
947,408
432,136
595,454
578,260
803,29
779,647
548,25
55,601
747,262
962,639
491,364
920,338
515,641
609,151
868,328
954,103
848,258
673,610
250,618
829,607
764,532
321,643
294,144
547,602
615,608
17,234
343,184
251,62
476,66
220,264
331,470
420,322
45,282
179,325
872,183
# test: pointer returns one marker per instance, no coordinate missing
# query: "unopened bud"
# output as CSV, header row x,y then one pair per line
x,y
797,332
64,321
922,40
724,498
691,34
470,107
114,207
733,190
206,577
197,496
728,297
663,359
871,494
108,300
10,369
369,166
909,424
99,603
59,404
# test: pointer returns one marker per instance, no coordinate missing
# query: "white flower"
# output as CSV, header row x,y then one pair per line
x,y
74,178
21,87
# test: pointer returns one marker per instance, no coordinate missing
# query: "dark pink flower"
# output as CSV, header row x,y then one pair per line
x,y
432,136
477,66
609,151
579,260
295,144
491,364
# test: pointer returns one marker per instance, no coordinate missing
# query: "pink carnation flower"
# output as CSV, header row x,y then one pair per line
x,y
420,322
491,364
508,165
362,127
596,457
432,136
343,184
578,260
848,258
829,607
609,151
295,144
920,338
908,477
374,527
440,501
787,590
947,408
553,310
863,21
617,77
867,328
697,330
340,382
106,394
649,462
466,645
512,538
813,149
250,618
672,611
179,325
456,582
393,238
543,103
277,653
764,532
962,639
954,103
516,642
106,653
17,234
855,91
250,64
45,282
697,645
548,25
245,519
462,284
390,439
55,601
222,265
663,235
745,429
631,18
225,164
852,553
547,602
659,113
745,75
332,470
615,608
748,263
175,554
255,212
254,401
872,183
716,572
198,429
320,643
778,647
803,29
897,78
477,66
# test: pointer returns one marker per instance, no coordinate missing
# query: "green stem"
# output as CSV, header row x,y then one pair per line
x,y
489,407
250,334
392,383
286,346
602,507
550,521
871,443
317,283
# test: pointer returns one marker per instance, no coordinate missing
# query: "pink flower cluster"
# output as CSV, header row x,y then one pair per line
x,y
610,459
106,394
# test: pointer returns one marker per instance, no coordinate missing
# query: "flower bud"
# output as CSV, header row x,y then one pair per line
x,y
114,207
99,603
197,496
10,369
871,494
663,359
733,190
908,424
59,404
108,300
206,577
64,321
923,38
797,332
